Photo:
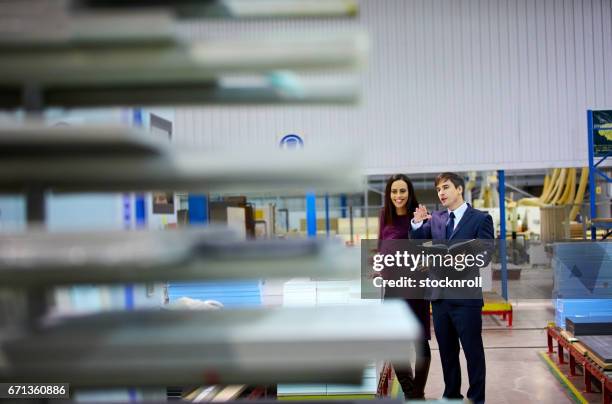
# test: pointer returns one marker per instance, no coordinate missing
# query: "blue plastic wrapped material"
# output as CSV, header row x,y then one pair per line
x,y
245,293
582,270
581,308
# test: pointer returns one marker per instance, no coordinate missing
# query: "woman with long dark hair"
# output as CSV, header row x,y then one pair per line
x,y
398,209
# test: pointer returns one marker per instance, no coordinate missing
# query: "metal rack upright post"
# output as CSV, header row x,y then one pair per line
x,y
602,150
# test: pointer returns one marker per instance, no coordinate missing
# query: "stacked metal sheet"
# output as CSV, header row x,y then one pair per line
x,y
600,346
589,325
179,347
233,346
112,158
103,53
39,259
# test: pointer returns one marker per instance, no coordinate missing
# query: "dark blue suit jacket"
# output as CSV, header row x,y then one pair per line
x,y
474,224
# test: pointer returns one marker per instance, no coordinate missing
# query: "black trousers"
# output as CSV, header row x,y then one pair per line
x,y
453,324
413,385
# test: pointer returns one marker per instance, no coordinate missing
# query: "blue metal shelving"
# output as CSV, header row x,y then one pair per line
x,y
600,153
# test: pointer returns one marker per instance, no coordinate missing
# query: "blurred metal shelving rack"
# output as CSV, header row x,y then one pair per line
x,y
235,8
105,53
106,158
134,64
40,259
253,346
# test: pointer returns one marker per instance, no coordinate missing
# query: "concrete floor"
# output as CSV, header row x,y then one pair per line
x,y
515,371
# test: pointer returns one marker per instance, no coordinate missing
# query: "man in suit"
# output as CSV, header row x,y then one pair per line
x,y
456,320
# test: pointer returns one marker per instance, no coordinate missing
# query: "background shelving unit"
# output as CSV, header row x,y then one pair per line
x,y
598,121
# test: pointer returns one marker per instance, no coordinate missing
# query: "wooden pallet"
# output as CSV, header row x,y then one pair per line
x,y
599,348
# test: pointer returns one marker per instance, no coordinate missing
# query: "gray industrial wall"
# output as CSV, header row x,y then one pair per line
x,y
451,84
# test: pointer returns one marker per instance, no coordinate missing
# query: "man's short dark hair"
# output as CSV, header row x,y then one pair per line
x,y
456,179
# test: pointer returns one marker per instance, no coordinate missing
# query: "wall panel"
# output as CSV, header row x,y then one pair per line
x,y
451,84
